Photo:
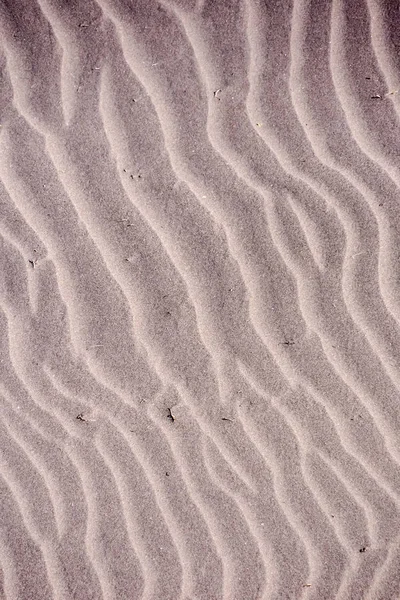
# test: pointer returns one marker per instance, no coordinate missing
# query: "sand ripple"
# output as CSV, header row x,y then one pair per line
x,y
199,300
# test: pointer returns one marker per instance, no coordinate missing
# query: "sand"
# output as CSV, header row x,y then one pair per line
x,y
199,300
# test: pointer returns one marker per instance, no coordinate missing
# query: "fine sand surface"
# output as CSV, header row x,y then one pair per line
x,y
199,300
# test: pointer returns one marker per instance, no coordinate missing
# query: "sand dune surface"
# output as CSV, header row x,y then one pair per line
x,y
199,300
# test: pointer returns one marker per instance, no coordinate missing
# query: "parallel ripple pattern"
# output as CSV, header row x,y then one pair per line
x,y
199,300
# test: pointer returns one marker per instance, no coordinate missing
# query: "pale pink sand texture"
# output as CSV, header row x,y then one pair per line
x,y
199,300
